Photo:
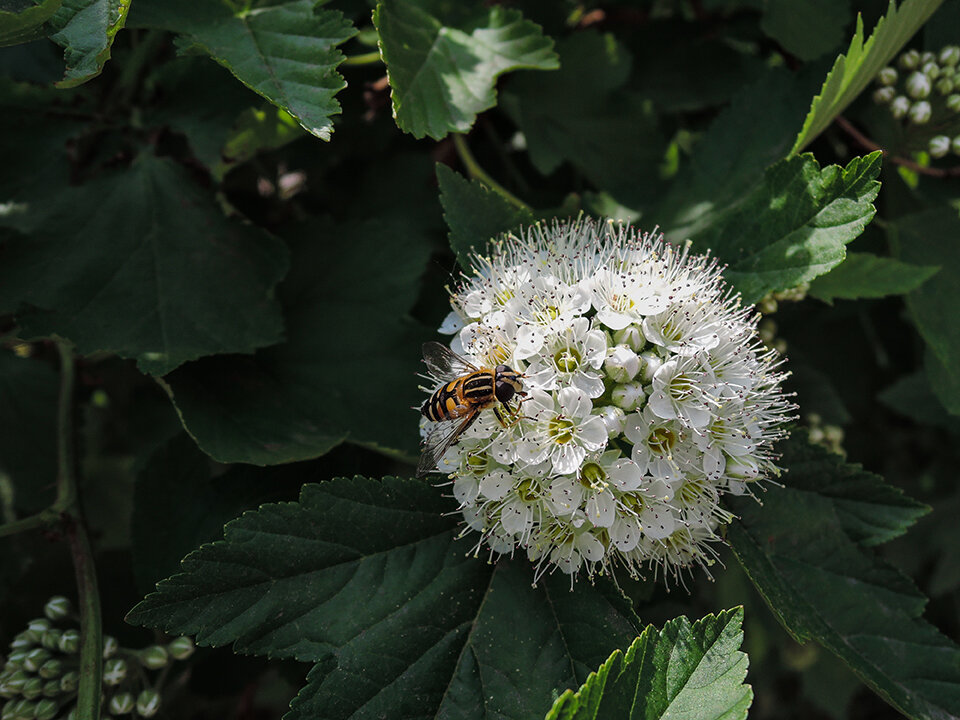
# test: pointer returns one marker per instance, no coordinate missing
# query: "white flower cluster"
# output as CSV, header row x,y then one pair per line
x,y
649,396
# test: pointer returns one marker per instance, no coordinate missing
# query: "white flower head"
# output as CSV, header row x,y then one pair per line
x,y
648,397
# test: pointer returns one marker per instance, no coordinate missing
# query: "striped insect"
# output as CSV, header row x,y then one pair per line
x,y
457,403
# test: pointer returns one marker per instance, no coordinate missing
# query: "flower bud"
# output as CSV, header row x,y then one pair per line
x,y
918,85
51,638
109,646
50,669
180,648
909,60
25,709
651,363
938,146
955,145
920,112
35,658
72,715
69,681
883,95
154,657
944,86
887,76
46,709
628,396
612,417
622,364
14,682
631,336
114,671
742,468
900,106
32,688
36,629
148,703
23,640
931,70
953,102
69,641
121,703
8,709
51,688
57,608
950,55
927,56
16,659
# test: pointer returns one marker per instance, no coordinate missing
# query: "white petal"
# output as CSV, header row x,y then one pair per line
x,y
590,547
661,405
451,324
590,384
698,417
574,403
592,434
625,475
613,320
529,341
568,458
599,509
566,494
658,522
496,485
625,533
532,450
566,558
516,517
465,489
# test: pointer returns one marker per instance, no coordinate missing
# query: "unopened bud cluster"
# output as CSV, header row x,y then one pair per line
x,y
924,87
40,678
649,397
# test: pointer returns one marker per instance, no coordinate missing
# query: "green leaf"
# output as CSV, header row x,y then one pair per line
x,y
365,578
806,29
347,370
85,30
864,275
851,73
686,671
930,238
443,66
474,213
583,114
803,549
913,397
25,23
793,226
730,158
29,391
285,51
144,264
257,130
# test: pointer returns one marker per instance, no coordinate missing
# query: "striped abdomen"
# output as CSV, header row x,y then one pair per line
x,y
461,396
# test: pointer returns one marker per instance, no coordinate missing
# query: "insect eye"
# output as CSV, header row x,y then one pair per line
x,y
504,391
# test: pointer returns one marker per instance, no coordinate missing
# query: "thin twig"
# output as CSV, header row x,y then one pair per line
x,y
478,173
869,144
363,59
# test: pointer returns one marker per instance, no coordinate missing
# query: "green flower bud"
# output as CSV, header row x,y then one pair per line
x,y
887,76
918,86
950,55
114,671
51,688
35,658
927,56
920,112
938,146
931,70
148,703
181,648
651,363
46,709
51,638
953,102
32,688
948,71
955,145
69,681
882,96
27,710
10,709
57,608
154,657
631,336
612,417
36,628
14,681
110,646
900,106
69,641
121,703
50,669
742,468
72,715
23,641
910,59
16,658
944,86
628,396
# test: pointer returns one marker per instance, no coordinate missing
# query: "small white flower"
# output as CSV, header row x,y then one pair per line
x,y
648,397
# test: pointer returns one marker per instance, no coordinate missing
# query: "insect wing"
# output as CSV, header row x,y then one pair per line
x,y
444,363
440,439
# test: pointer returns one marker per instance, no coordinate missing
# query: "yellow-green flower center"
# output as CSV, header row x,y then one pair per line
x,y
662,440
567,360
592,476
560,430
528,490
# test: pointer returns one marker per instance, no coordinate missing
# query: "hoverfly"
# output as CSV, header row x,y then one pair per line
x,y
467,392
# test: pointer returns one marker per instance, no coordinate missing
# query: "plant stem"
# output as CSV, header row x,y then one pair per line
x,y
43,519
478,173
363,59
91,634
869,144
